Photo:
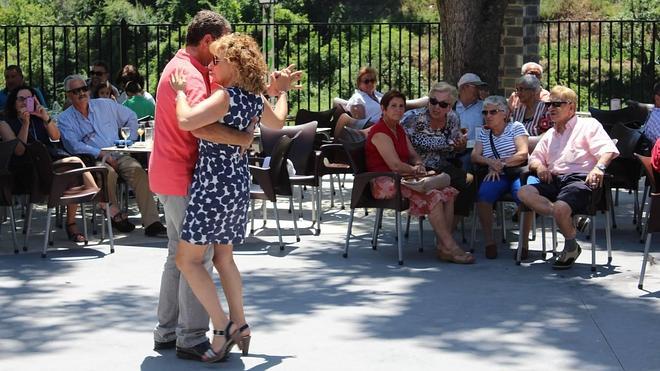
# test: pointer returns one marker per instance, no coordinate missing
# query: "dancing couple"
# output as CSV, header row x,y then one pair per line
x,y
220,193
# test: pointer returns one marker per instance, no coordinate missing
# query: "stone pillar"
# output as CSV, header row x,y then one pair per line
x,y
520,42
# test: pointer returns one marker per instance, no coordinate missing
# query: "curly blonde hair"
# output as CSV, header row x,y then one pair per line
x,y
244,53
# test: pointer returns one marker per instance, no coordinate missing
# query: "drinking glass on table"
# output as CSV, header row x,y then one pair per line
x,y
140,132
149,136
125,133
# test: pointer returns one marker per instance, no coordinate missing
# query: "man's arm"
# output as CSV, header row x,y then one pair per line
x,y
127,117
72,140
595,176
217,133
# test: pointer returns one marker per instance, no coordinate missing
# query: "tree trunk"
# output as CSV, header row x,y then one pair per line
x,y
471,36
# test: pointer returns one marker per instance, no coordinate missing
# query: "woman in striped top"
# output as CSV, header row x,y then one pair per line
x,y
499,146
531,109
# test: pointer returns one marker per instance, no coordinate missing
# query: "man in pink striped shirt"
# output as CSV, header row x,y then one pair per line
x,y
570,161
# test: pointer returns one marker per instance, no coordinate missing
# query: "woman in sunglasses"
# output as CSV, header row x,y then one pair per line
x,y
435,133
502,149
389,149
30,122
531,110
365,102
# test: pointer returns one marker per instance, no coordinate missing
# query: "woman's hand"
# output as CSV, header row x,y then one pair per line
x,y
492,175
419,170
496,165
178,80
40,111
284,80
24,115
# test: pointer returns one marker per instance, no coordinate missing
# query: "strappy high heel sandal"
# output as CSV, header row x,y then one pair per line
x,y
210,356
243,342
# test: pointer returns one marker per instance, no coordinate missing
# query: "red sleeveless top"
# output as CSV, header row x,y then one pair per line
x,y
375,161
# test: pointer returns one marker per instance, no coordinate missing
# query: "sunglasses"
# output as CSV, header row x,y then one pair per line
x,y
556,104
435,102
520,90
368,81
492,112
22,99
96,73
76,91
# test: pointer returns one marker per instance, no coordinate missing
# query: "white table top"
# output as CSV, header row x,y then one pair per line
x,y
138,147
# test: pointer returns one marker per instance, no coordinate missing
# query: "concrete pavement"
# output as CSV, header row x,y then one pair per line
x,y
311,309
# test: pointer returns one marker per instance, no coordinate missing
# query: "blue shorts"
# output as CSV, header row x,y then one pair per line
x,y
490,191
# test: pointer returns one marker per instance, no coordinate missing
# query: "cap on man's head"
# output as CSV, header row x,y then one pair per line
x,y
470,78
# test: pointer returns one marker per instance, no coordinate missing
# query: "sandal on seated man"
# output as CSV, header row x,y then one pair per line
x,y
570,162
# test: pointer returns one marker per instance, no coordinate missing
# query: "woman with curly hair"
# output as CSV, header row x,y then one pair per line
x,y
220,191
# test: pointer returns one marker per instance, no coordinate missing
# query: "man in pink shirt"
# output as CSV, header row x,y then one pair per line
x,y
570,161
182,321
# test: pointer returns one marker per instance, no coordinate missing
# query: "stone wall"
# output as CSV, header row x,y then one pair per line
x,y
520,42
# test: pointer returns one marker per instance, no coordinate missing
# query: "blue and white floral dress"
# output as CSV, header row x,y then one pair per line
x,y
220,190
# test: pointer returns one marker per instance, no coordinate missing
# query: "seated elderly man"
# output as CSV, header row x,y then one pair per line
x,y
570,162
91,124
652,125
534,69
468,109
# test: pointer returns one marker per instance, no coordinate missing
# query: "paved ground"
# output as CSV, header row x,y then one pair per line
x,y
310,309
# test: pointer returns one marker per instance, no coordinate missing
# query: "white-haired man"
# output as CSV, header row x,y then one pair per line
x,y
569,162
89,125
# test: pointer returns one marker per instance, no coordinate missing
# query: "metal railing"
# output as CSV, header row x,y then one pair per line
x,y
407,55
600,59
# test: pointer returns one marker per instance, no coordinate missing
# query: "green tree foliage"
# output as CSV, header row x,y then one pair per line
x,y
18,12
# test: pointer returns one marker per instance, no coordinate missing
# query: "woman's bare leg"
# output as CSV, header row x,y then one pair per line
x,y
343,120
223,260
441,227
189,260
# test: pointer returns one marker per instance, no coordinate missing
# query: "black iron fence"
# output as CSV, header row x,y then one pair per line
x,y
602,60
407,55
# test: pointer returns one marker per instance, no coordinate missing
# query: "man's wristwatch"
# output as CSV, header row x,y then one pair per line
x,y
601,167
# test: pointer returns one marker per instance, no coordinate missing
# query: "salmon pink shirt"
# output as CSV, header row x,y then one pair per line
x,y
174,153
576,150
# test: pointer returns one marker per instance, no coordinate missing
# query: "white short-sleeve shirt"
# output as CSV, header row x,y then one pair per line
x,y
372,109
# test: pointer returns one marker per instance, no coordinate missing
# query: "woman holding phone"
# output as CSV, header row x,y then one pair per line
x,y
30,122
